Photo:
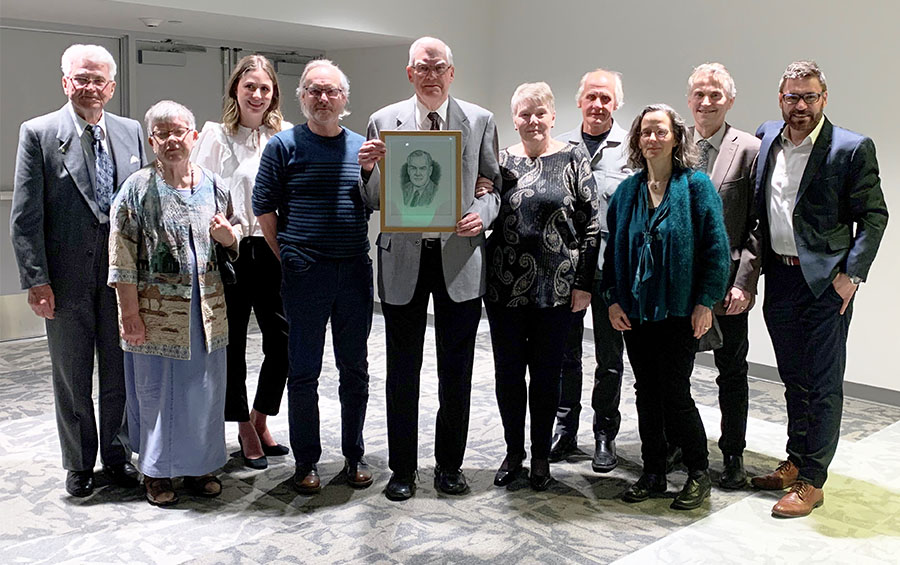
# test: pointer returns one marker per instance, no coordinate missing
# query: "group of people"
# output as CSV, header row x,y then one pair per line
x,y
663,229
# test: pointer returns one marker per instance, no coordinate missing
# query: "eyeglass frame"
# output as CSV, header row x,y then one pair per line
x,y
423,70
88,81
645,134
311,90
171,133
785,98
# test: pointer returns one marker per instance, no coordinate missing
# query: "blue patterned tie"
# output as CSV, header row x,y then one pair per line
x,y
703,164
104,171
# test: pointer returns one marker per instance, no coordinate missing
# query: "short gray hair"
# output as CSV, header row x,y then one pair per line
x,y
419,42
803,69
532,92
317,64
95,53
619,91
168,111
718,71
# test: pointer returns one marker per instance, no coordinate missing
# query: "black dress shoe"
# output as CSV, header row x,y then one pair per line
x,y
674,457
540,474
401,486
696,490
605,459
80,483
509,471
645,487
276,450
259,463
734,476
561,446
123,475
450,482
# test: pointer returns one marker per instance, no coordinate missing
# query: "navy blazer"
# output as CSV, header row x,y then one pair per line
x,y
840,214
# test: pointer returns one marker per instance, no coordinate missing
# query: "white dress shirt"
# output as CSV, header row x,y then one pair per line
x,y
81,124
782,187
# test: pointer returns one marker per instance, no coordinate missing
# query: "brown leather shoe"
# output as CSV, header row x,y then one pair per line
x,y
358,473
160,492
799,501
781,478
306,480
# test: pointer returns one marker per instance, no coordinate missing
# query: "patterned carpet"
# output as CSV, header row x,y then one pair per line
x,y
259,519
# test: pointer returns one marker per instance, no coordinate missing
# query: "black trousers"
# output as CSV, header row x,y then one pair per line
x,y
533,339
455,328
662,358
606,392
731,360
810,340
258,288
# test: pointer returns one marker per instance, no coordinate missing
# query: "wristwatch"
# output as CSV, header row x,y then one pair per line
x,y
855,280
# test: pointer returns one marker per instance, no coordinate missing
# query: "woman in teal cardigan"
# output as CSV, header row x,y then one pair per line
x,y
669,249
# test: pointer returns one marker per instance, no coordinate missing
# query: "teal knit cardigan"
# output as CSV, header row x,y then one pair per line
x,y
699,267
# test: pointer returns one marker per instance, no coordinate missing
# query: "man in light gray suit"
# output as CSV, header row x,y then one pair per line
x,y
68,166
599,94
449,267
729,156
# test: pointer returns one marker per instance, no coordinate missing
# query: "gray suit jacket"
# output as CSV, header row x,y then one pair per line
x,y
610,166
734,176
55,220
463,257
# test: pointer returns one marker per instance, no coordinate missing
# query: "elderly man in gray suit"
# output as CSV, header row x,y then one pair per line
x,y
729,156
448,267
599,94
68,167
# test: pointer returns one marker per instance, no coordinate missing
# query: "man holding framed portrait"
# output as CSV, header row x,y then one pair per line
x,y
445,263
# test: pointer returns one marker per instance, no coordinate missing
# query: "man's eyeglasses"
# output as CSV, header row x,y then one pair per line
x,y
424,70
660,133
317,92
163,136
83,81
809,98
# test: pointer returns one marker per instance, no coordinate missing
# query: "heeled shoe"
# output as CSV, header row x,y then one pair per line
x,y
258,464
276,450
509,471
540,474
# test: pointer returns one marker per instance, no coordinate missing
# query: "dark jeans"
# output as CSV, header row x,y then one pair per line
x,y
533,339
313,292
455,328
810,341
731,360
258,288
608,349
662,358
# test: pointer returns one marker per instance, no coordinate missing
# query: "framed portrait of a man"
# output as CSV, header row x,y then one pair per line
x,y
421,181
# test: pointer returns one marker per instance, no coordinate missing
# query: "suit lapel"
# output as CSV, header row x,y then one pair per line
x,y
117,141
727,151
457,119
406,118
74,159
816,157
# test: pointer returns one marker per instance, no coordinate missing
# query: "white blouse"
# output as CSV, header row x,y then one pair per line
x,y
235,158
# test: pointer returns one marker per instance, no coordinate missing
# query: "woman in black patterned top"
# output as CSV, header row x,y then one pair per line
x,y
542,255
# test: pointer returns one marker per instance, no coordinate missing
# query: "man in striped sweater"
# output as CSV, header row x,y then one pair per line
x,y
307,202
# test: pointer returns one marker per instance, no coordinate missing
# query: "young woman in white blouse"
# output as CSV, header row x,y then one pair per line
x,y
232,149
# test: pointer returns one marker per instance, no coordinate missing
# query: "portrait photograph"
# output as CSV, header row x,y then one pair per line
x,y
421,181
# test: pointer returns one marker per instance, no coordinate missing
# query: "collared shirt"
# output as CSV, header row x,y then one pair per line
x,y
782,187
715,142
81,124
424,123
422,119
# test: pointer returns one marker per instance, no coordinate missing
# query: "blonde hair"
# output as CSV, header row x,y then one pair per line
x,y
538,92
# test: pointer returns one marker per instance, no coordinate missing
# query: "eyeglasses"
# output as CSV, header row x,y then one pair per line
x,y
83,81
809,98
317,92
660,133
424,70
163,136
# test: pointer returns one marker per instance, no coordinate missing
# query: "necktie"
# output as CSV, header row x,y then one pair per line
x,y
104,170
703,164
435,120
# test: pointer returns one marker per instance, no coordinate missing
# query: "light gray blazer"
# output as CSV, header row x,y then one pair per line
x,y
734,175
463,257
55,220
610,166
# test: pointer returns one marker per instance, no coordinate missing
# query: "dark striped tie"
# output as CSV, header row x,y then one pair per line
x,y
435,120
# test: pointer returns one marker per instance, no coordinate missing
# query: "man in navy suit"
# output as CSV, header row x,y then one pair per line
x,y
823,213
68,167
